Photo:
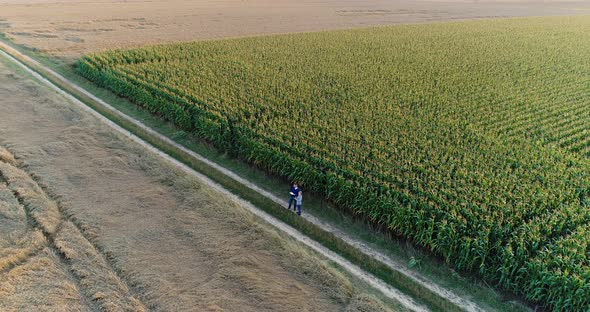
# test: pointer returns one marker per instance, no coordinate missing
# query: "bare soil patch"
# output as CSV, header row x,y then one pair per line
x,y
135,233
71,28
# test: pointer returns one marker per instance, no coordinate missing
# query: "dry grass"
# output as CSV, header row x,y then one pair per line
x,y
31,276
44,211
101,284
40,284
14,251
88,266
17,241
12,213
364,303
6,156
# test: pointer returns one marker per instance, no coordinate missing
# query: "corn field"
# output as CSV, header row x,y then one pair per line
x,y
469,138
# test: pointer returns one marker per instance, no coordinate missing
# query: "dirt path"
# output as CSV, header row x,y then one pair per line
x,y
386,289
70,28
138,231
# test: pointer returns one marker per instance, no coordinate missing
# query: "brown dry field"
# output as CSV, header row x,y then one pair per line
x,y
71,27
90,220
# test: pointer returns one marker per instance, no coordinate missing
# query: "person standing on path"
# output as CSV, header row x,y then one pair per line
x,y
293,196
299,200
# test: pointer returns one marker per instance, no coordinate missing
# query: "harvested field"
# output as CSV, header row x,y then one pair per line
x,y
93,221
70,28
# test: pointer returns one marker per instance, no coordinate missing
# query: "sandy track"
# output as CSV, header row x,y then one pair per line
x,y
177,243
70,28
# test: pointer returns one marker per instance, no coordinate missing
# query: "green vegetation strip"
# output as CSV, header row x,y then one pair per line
x,y
329,240
468,138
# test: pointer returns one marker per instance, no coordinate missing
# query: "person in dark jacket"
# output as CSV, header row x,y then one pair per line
x,y
293,195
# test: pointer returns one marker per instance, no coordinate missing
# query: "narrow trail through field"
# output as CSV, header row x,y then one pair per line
x,y
386,289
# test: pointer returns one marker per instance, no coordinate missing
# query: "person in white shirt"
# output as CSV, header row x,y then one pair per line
x,y
299,199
